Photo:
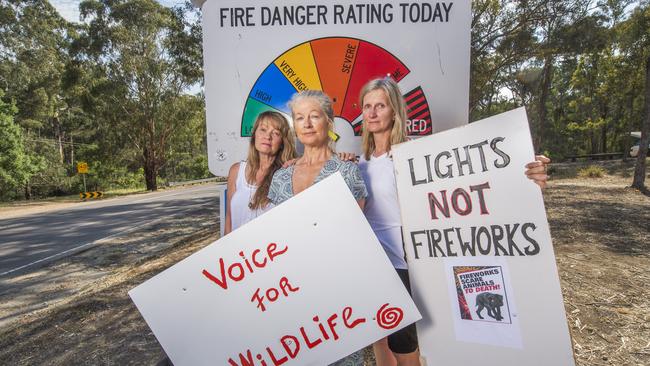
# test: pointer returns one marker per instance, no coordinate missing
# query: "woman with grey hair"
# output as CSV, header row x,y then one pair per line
x,y
313,122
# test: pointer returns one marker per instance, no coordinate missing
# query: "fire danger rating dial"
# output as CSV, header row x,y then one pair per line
x,y
339,66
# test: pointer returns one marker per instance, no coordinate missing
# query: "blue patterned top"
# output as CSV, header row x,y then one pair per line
x,y
282,186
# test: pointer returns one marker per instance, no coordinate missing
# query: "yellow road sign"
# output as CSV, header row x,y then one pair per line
x,y
86,195
82,168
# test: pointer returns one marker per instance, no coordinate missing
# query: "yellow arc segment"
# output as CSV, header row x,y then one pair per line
x,y
299,67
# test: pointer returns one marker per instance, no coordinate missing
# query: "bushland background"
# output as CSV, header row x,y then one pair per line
x,y
120,89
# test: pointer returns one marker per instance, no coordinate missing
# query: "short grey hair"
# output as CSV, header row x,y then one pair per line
x,y
323,100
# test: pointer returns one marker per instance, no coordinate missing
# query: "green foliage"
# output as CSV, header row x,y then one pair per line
x,y
95,91
143,70
112,91
591,171
14,164
580,72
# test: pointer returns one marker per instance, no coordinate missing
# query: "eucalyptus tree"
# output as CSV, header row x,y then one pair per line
x,y
135,46
33,56
502,39
16,166
635,43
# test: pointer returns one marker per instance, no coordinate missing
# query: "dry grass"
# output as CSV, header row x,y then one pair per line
x,y
601,233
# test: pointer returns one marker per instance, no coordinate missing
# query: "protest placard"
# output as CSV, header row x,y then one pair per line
x,y
305,283
479,248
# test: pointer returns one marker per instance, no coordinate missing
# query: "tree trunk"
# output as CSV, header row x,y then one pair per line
x,y
543,96
57,131
150,170
628,126
594,141
71,151
28,191
639,169
604,111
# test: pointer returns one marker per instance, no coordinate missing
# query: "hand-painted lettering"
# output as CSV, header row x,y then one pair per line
x,y
290,346
238,271
494,240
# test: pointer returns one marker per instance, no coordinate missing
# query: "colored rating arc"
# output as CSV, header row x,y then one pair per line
x,y
339,66
86,195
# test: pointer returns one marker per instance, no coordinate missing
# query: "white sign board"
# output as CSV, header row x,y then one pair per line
x,y
258,53
479,248
306,283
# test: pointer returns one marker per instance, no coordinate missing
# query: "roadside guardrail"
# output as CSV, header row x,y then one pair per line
x,y
191,182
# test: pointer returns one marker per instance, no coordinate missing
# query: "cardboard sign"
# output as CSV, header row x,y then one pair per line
x,y
258,53
479,249
305,283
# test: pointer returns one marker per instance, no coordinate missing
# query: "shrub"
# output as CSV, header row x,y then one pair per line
x,y
592,171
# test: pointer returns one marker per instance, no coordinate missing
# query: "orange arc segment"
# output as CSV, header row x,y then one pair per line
x,y
334,60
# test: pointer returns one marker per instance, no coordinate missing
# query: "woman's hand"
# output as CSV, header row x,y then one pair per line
x,y
347,156
289,163
536,170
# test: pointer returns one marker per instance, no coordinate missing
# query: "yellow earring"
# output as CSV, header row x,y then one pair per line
x,y
333,135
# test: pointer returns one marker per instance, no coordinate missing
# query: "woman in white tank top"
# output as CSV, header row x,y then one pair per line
x,y
271,144
384,124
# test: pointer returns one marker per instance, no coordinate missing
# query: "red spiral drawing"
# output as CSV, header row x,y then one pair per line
x,y
389,318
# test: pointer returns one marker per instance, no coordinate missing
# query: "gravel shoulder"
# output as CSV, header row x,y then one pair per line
x,y
77,311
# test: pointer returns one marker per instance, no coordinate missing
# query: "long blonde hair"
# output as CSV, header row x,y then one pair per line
x,y
396,101
287,152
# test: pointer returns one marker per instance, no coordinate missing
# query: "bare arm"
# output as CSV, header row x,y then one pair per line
x,y
232,179
362,203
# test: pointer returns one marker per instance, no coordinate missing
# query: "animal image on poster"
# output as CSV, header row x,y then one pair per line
x,y
481,294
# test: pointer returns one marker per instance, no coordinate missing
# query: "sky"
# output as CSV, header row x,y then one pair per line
x,y
69,9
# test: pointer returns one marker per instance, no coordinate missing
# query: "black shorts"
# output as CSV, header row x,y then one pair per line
x,y
404,340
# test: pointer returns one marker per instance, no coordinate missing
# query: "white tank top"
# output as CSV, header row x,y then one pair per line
x,y
382,207
240,212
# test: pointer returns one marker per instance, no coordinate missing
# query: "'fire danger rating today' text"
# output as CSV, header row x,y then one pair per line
x,y
435,12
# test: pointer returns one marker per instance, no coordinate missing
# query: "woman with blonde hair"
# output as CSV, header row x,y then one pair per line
x,y
271,145
384,125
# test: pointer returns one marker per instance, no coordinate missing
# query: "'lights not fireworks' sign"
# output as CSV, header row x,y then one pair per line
x,y
479,248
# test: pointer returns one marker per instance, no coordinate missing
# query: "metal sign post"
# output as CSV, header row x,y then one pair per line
x,y
82,168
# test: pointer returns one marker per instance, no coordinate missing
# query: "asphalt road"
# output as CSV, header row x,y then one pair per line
x,y
29,241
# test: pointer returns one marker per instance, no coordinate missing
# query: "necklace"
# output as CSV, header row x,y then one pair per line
x,y
251,188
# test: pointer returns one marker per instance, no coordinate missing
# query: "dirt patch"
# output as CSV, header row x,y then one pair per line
x,y
601,233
